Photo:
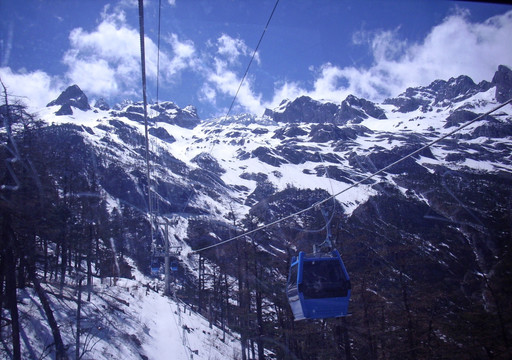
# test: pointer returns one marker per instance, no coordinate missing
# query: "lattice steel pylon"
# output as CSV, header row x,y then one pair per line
x,y
169,249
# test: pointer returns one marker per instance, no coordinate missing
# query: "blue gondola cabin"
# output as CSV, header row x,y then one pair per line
x,y
155,267
318,286
174,266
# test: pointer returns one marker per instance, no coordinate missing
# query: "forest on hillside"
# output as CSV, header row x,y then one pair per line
x,y
409,301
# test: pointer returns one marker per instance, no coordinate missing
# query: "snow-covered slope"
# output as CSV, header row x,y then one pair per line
x,y
124,319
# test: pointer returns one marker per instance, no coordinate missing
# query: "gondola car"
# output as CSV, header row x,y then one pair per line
x,y
174,265
155,267
318,286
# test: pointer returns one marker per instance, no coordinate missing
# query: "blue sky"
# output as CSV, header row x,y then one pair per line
x,y
324,49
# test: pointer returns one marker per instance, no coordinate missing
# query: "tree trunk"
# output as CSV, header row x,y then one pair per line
x,y
259,311
63,264
346,339
59,345
225,307
201,283
368,327
78,309
9,271
410,327
10,292
45,252
88,259
241,304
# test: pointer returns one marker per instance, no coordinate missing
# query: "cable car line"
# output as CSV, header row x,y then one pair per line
x,y
146,132
154,224
318,203
144,99
252,58
327,222
247,69
158,51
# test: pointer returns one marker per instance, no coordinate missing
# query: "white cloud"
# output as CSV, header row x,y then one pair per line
x,y
454,47
106,61
285,90
223,73
227,82
231,49
103,82
326,85
184,55
457,47
208,94
35,89
126,4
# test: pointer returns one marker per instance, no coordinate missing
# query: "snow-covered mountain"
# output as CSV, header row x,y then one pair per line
x,y
425,241
215,167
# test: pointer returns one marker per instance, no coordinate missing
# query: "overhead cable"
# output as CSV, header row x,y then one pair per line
x,y
145,104
252,58
158,51
358,182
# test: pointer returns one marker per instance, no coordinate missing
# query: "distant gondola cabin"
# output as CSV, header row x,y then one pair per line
x,y
155,267
174,266
318,286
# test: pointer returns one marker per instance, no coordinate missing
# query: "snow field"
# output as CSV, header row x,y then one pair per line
x,y
125,319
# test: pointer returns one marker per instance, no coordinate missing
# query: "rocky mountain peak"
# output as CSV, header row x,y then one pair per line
x,y
307,110
73,96
171,113
503,81
166,112
303,110
102,104
355,109
438,93
191,110
461,87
